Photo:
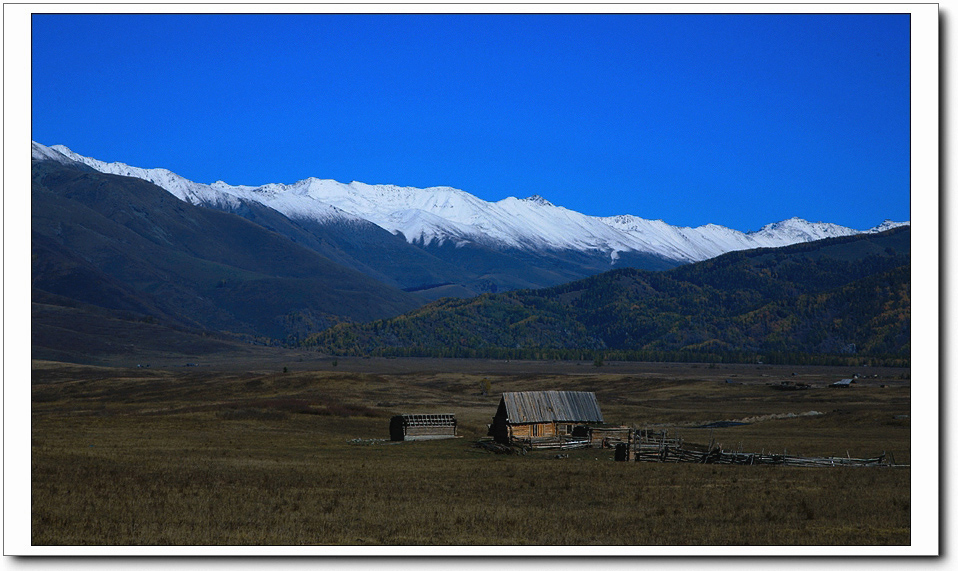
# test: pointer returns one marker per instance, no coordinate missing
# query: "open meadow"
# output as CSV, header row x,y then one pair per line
x,y
295,451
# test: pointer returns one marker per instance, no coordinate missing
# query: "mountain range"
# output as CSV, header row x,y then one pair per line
x,y
125,257
441,241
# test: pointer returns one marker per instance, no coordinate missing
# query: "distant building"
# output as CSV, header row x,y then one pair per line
x,y
844,383
545,417
422,426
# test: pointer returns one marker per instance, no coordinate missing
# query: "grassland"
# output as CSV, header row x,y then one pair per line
x,y
235,453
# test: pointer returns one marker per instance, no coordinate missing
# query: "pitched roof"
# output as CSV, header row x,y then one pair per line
x,y
551,406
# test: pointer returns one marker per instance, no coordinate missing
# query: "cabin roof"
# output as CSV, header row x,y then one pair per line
x,y
551,406
446,419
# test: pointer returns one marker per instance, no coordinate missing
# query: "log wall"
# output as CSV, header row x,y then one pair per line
x,y
537,430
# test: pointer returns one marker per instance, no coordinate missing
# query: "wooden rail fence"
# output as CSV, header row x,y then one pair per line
x,y
651,446
645,445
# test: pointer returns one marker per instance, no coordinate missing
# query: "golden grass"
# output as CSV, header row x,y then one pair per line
x,y
184,457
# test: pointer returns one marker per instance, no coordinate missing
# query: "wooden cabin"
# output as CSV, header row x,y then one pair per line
x,y
545,418
422,426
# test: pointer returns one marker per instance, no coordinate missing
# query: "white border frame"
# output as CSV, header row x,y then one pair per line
x,y
925,275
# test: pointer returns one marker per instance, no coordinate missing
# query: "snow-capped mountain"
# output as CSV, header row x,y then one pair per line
x,y
438,216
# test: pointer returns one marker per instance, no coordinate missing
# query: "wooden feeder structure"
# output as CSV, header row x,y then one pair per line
x,y
422,426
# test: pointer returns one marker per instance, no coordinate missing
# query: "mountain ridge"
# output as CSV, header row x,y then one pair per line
x,y
436,215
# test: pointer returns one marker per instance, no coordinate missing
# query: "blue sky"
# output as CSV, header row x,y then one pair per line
x,y
738,120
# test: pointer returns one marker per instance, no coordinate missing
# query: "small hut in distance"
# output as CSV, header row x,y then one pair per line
x,y
545,418
422,426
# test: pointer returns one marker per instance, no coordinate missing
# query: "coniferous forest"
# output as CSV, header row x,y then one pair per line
x,y
836,301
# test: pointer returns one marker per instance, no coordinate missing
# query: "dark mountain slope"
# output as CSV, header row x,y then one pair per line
x,y
122,243
358,245
495,270
65,330
827,297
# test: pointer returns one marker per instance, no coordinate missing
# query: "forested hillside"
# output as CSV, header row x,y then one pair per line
x,y
841,300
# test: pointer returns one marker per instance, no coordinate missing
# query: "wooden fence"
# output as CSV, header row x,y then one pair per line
x,y
719,456
645,445
651,446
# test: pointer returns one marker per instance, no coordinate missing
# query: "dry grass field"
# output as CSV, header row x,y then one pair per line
x,y
238,453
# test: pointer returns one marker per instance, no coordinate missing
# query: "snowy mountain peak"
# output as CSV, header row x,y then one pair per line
x,y
887,225
440,214
537,199
42,153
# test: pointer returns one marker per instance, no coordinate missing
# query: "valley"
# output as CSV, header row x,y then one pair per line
x,y
293,450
